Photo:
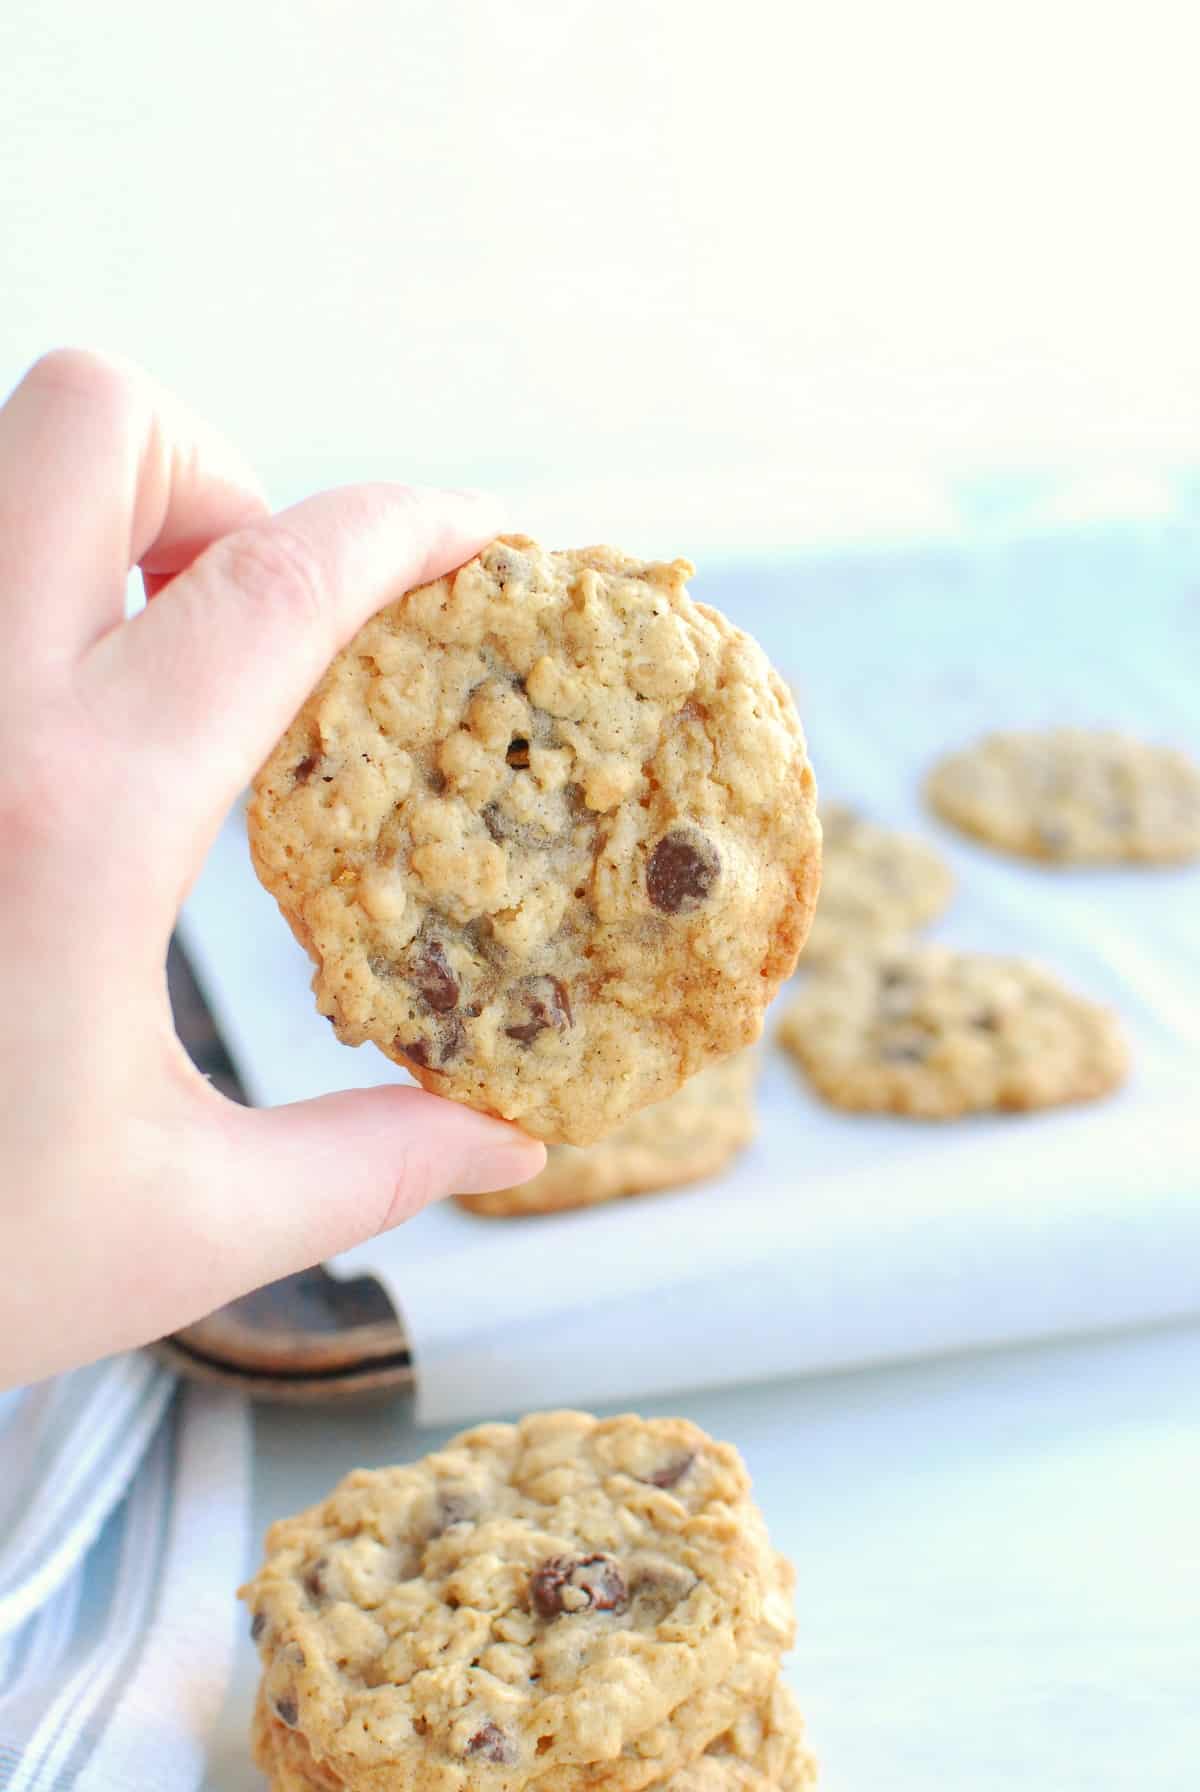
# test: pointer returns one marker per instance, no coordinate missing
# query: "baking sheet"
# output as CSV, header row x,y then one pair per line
x,y
839,1239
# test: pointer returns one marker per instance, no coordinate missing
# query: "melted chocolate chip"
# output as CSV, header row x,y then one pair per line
x,y
682,871
258,1624
597,1578
548,1004
903,1051
671,1473
446,1043
455,1506
518,754
286,1711
314,1580
658,1590
987,1020
303,772
430,970
493,1744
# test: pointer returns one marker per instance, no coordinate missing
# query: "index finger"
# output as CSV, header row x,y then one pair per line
x,y
215,668
102,469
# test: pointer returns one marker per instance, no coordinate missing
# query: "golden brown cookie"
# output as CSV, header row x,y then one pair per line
x,y
691,1135
926,1031
548,831
876,884
764,1750
558,1601
1073,795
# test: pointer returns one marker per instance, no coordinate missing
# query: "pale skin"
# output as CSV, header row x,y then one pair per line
x,y
133,1197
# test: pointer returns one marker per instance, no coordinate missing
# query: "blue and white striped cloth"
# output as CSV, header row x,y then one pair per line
x,y
124,1507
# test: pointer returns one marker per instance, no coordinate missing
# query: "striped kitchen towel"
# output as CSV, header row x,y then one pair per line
x,y
124,1507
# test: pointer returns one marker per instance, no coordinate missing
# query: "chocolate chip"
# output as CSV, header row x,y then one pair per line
x,y
437,783
430,970
548,1004
657,1590
578,1583
446,1043
303,772
987,1020
455,1506
903,1051
258,1624
518,754
892,977
287,1712
314,1580
671,1473
682,871
493,1744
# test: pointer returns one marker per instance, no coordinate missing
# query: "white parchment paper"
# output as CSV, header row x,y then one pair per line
x,y
838,1239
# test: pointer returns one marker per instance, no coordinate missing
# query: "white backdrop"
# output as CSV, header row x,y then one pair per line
x,y
684,275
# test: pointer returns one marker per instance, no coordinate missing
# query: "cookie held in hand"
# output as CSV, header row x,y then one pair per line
x,y
547,829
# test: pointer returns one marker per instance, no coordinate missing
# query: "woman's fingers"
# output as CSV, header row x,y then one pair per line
x,y
104,470
215,668
221,1200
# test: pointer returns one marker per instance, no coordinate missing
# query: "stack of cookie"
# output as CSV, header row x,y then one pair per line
x,y
685,1139
564,1604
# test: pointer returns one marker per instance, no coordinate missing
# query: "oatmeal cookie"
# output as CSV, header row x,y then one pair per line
x,y
548,1603
876,884
1073,795
690,1136
926,1031
548,831
764,1750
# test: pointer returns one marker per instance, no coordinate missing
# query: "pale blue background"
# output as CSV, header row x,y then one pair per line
x,y
728,282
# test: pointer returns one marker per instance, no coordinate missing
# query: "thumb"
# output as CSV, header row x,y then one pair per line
x,y
219,1200
305,1181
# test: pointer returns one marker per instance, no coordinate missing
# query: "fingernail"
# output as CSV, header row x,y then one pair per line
x,y
501,1158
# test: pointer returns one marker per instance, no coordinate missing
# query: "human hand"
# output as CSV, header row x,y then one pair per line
x,y
133,1197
